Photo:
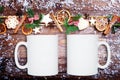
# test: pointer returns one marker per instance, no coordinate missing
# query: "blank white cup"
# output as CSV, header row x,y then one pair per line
x,y
42,55
82,55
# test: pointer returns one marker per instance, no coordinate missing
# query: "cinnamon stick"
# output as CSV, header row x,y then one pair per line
x,y
3,16
113,20
56,22
21,22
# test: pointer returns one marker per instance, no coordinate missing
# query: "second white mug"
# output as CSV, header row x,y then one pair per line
x,y
82,55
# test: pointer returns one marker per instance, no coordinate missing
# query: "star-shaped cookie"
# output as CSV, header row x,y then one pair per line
x,y
46,19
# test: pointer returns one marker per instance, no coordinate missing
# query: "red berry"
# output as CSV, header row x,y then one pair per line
x,y
118,20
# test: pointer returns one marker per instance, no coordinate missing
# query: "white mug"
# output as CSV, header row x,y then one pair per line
x,y
42,55
82,55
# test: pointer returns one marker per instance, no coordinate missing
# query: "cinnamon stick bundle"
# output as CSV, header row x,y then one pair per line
x,y
113,20
56,22
20,24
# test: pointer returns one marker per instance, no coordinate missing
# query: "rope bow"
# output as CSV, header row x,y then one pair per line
x,y
36,17
74,23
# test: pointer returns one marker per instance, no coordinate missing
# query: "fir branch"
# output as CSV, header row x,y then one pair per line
x,y
117,25
69,28
40,17
1,20
33,25
30,12
66,23
38,21
109,17
113,29
1,9
77,17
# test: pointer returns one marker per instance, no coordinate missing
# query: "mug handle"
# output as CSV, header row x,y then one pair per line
x,y
16,55
108,56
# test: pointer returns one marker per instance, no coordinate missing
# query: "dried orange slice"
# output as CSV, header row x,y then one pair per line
x,y
62,15
101,23
2,28
26,31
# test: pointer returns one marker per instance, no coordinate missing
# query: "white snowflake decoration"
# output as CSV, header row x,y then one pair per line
x,y
11,22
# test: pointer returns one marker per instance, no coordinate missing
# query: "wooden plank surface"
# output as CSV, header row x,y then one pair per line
x,y
8,41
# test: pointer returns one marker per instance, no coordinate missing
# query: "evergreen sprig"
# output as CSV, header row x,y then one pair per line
x,y
109,17
70,28
77,17
1,9
115,27
36,23
1,20
33,25
117,24
30,12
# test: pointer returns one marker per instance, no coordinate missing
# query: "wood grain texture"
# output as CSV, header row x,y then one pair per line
x,y
8,41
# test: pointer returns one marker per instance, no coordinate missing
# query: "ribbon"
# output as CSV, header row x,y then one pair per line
x,y
36,17
74,23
